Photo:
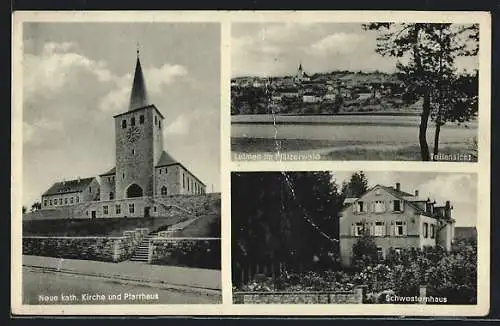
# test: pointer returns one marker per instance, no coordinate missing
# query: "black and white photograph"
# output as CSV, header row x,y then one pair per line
x,y
350,91
354,237
121,190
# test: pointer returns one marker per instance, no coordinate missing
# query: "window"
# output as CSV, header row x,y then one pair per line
x,y
133,151
379,229
188,182
60,201
71,200
111,195
141,119
50,202
123,175
358,229
426,230
131,208
45,203
164,191
118,209
433,231
65,201
90,189
380,253
87,212
397,206
379,206
159,124
160,171
166,170
156,120
105,209
361,207
398,228
124,124
183,181
77,199
154,209
132,121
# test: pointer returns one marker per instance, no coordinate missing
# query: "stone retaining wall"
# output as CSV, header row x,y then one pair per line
x,y
112,249
338,297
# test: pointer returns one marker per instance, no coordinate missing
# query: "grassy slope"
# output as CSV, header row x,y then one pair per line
x,y
202,227
96,227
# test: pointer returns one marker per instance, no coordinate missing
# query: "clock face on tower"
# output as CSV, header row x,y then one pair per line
x,y
133,134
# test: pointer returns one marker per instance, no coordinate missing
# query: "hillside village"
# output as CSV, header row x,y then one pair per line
x,y
319,93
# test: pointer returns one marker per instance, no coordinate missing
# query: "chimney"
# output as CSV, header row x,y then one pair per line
x,y
416,192
398,186
447,209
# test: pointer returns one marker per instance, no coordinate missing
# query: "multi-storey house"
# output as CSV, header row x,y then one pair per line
x,y
396,220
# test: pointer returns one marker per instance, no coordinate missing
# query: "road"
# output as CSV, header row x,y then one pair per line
x,y
47,287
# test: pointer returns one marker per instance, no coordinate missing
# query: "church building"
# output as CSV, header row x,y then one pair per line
x,y
144,174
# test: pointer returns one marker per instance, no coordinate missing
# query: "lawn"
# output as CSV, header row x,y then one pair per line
x,y
94,227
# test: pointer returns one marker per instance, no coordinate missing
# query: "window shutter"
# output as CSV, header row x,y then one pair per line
x,y
372,232
353,232
405,229
354,206
402,204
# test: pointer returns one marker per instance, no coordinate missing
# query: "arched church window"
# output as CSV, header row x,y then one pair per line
x,y
132,121
134,191
124,124
141,119
164,191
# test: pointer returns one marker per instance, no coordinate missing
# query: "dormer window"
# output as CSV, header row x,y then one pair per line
x,y
124,124
377,192
397,206
132,121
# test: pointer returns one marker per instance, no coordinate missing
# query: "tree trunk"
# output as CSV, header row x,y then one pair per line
x,y
436,141
422,133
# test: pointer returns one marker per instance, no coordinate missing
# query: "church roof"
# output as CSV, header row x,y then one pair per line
x,y
166,159
138,96
63,187
110,172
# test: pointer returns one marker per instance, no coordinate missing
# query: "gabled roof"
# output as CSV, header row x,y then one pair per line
x,y
110,172
166,159
63,187
402,195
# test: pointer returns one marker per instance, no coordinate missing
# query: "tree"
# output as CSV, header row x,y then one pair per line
x,y
431,50
36,206
364,251
357,185
24,209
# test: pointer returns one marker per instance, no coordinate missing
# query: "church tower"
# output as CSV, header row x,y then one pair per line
x,y
138,142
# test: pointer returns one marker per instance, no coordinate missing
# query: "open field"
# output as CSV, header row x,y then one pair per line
x,y
345,137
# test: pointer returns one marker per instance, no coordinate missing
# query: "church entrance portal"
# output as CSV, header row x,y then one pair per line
x,y
134,191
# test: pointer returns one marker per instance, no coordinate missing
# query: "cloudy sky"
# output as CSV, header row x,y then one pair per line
x,y
78,75
277,49
459,188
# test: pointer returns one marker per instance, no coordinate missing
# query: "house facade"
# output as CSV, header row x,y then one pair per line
x,y
143,175
395,220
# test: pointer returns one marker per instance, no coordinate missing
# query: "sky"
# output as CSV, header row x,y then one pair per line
x,y
276,49
76,76
459,188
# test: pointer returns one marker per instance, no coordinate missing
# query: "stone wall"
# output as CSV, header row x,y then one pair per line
x,y
189,252
338,297
112,249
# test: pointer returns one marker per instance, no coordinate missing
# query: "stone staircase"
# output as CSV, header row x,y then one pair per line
x,y
141,253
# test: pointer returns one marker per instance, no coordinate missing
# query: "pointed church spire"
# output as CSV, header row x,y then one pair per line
x,y
138,96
